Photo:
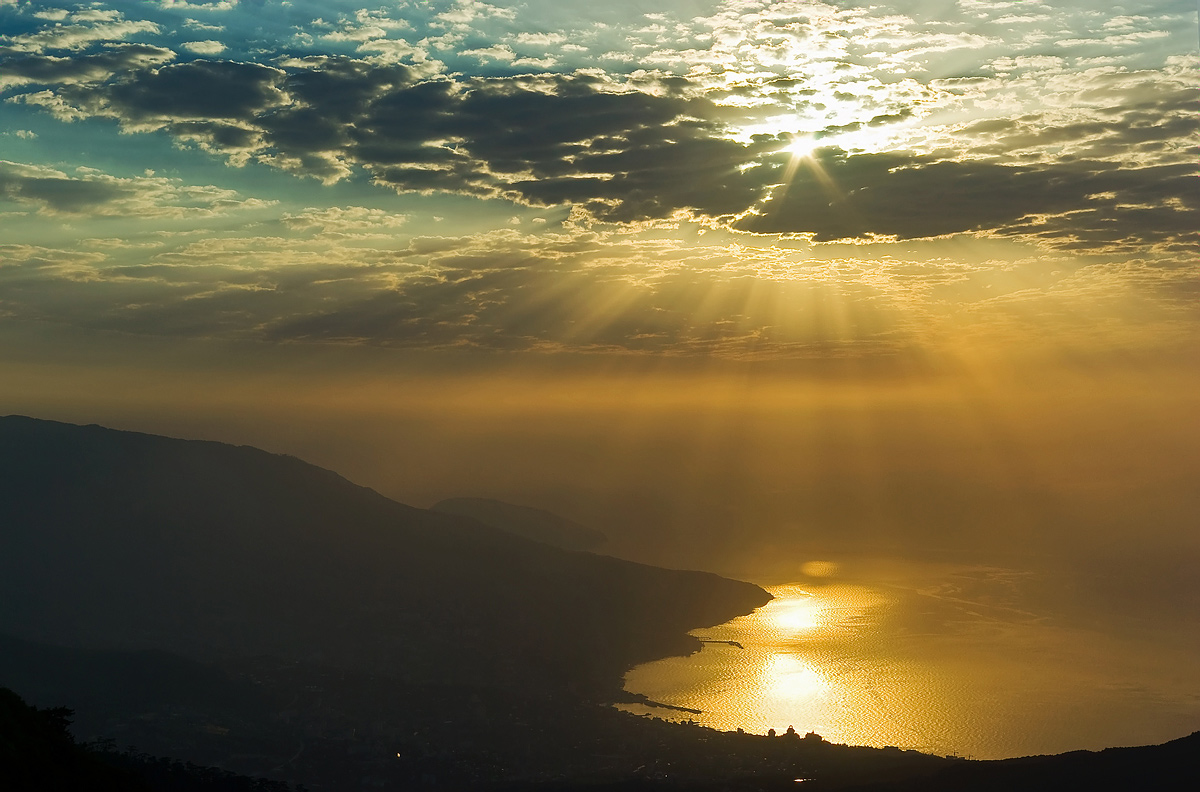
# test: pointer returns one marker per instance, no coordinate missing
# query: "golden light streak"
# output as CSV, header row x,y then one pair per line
x,y
791,678
797,615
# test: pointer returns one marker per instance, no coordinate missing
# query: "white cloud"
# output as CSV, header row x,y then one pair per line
x,y
208,47
497,52
196,24
1121,40
537,63
344,220
96,15
365,26
104,27
198,5
540,39
380,18
465,12
352,32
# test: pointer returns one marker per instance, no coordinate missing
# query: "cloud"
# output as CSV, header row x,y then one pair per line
x,y
344,221
496,52
197,91
355,275
905,196
198,5
677,175
466,12
655,147
88,28
93,193
501,290
41,267
207,47
195,24
96,67
52,14
628,155
1137,38
540,39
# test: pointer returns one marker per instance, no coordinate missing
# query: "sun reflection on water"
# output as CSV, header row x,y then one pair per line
x,y
925,665
797,615
782,668
792,679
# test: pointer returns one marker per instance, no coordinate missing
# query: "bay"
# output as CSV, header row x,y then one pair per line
x,y
963,660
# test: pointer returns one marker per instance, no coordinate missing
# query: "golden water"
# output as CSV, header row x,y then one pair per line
x,y
944,663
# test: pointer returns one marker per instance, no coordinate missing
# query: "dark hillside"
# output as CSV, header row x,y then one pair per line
x,y
38,753
97,683
537,524
119,540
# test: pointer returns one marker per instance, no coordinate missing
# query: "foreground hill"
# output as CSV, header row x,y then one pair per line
x,y
38,753
125,541
536,524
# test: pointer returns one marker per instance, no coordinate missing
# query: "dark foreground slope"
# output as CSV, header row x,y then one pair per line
x,y
748,763
1172,766
39,754
121,540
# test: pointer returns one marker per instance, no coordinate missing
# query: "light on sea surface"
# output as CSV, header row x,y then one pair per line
x,y
790,678
797,615
945,659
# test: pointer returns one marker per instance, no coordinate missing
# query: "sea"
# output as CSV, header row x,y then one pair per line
x,y
950,659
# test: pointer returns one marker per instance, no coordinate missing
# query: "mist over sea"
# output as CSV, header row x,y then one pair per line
x,y
978,661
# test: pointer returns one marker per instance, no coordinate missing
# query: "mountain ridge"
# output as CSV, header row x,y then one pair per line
x,y
253,553
532,523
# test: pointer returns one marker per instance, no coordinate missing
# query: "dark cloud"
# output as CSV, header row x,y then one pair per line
x,y
218,136
53,70
658,172
629,155
1159,119
199,90
329,97
514,125
91,192
57,192
835,195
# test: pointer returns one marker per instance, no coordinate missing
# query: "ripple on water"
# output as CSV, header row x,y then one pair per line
x,y
869,665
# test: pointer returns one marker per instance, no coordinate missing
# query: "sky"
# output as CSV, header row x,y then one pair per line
x,y
732,281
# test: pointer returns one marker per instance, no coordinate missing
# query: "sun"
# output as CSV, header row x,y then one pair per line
x,y
801,146
801,151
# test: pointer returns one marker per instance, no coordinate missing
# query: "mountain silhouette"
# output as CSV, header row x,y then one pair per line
x,y
536,524
257,614
116,540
